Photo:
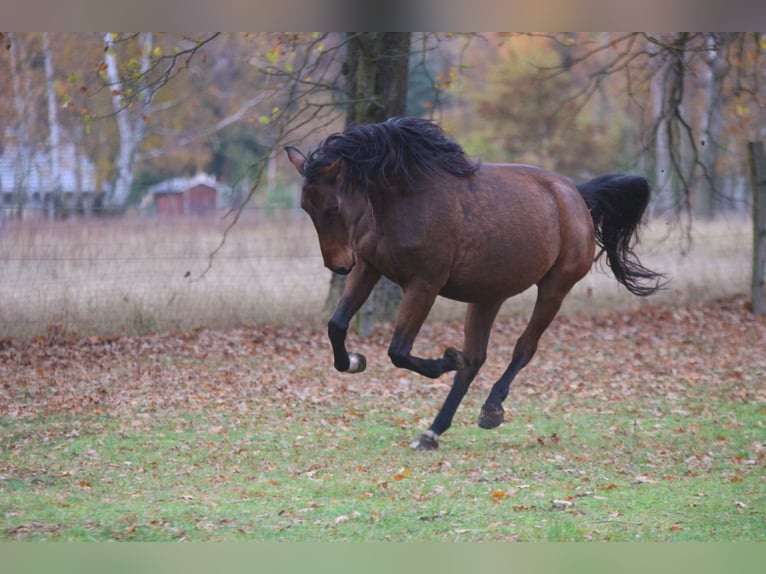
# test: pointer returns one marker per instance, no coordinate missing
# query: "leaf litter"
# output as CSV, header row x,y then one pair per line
x,y
656,351
656,357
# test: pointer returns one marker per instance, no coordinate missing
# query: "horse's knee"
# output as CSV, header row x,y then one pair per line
x,y
478,360
398,357
454,360
472,364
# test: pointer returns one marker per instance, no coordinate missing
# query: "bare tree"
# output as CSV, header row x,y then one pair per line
x,y
20,81
53,126
730,69
133,84
130,113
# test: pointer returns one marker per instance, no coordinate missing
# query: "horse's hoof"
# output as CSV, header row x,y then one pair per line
x,y
356,363
429,440
490,418
456,358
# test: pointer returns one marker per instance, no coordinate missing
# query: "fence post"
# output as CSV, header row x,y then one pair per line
x,y
757,160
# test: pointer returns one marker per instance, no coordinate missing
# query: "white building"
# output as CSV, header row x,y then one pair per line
x,y
35,181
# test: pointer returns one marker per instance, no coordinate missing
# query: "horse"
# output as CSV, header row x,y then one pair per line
x,y
402,199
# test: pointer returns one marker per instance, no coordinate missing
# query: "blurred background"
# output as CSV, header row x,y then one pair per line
x,y
143,186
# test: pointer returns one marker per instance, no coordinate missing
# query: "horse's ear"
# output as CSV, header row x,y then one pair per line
x,y
296,158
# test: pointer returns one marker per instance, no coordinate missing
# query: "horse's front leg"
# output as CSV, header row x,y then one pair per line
x,y
358,286
478,325
417,300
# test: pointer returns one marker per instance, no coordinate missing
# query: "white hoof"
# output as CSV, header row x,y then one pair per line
x,y
356,363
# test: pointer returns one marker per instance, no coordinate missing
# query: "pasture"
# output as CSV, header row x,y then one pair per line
x,y
142,403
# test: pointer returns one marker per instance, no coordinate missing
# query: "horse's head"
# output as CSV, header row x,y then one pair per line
x,y
333,210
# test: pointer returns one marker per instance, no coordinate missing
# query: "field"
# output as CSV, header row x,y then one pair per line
x,y
637,420
141,275
137,275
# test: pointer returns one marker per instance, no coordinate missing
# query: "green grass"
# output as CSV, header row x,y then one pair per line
x,y
641,471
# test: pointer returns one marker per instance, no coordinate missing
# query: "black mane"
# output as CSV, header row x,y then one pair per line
x,y
399,150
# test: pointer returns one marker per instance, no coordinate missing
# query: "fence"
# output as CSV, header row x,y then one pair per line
x,y
135,274
103,277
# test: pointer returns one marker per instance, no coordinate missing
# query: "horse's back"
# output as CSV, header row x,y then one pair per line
x,y
519,222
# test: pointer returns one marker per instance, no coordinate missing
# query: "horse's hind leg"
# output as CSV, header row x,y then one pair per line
x,y
550,295
478,324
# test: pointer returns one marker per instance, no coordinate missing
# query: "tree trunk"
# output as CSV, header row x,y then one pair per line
x,y
56,205
757,159
376,70
22,131
662,180
710,128
131,130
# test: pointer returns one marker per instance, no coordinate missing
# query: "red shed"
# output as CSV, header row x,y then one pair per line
x,y
201,200
169,203
199,195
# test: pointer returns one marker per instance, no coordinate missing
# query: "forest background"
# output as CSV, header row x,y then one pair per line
x,y
144,107
679,107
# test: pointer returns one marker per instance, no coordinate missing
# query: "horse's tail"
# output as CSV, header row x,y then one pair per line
x,y
617,202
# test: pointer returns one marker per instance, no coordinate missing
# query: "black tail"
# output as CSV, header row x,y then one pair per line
x,y
617,202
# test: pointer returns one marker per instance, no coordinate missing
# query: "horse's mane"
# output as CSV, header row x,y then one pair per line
x,y
398,151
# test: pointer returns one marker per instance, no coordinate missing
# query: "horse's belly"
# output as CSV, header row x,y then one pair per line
x,y
494,281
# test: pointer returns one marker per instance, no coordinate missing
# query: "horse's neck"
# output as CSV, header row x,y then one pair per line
x,y
381,201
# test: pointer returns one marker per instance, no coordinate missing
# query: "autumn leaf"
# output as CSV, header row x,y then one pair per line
x,y
498,495
403,473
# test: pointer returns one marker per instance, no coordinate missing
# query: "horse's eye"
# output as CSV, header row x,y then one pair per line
x,y
331,211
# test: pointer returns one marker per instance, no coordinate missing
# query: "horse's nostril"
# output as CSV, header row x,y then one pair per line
x,y
344,269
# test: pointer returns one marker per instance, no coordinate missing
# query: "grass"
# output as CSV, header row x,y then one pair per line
x,y
647,470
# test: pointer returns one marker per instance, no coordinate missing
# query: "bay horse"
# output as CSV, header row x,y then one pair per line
x,y
403,200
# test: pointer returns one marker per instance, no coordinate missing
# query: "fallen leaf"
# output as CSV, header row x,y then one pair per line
x,y
403,473
498,495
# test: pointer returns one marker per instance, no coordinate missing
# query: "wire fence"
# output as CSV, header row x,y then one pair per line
x,y
135,274
106,277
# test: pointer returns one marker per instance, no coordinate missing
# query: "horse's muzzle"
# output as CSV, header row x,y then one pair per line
x,y
344,269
